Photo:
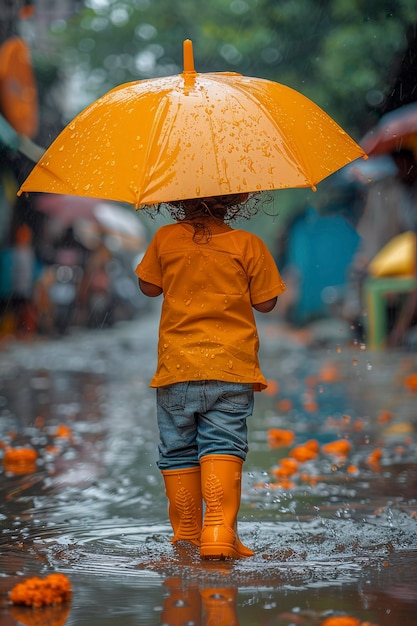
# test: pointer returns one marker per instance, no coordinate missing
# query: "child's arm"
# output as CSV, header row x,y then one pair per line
x,y
149,289
265,307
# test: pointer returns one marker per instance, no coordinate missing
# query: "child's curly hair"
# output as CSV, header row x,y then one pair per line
x,y
199,210
226,208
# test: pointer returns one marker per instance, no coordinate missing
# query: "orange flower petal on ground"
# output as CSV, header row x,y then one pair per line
x,y
38,592
284,405
310,406
340,447
63,432
410,382
329,373
279,437
20,460
305,452
20,455
374,459
312,444
289,464
342,620
384,417
284,483
52,449
272,389
287,467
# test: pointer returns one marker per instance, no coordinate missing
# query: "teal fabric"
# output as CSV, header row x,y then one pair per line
x,y
8,136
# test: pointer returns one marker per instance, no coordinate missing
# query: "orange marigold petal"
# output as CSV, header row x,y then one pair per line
x,y
329,373
284,405
342,620
63,432
272,388
385,416
287,467
20,455
280,437
340,447
410,381
38,592
303,453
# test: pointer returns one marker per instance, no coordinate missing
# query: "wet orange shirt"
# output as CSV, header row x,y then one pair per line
x,y
207,327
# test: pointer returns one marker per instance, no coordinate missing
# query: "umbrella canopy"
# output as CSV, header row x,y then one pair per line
x,y
193,135
394,131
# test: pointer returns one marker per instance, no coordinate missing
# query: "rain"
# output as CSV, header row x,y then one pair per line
x,y
329,486
338,535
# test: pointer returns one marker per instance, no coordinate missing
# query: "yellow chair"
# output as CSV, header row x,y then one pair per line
x,y
391,271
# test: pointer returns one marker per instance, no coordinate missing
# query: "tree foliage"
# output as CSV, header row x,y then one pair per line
x,y
335,51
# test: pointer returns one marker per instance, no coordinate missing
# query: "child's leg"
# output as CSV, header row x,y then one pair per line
x,y
222,438
177,414
178,461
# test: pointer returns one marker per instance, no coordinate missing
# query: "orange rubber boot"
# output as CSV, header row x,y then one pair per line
x,y
221,476
183,606
219,606
183,490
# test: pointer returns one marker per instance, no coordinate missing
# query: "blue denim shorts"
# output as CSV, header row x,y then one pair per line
x,y
202,417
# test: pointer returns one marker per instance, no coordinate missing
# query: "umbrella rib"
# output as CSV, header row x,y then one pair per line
x,y
155,136
293,154
213,141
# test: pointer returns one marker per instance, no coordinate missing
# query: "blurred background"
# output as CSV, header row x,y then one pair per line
x,y
67,262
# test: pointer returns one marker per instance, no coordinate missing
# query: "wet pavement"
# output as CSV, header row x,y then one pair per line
x,y
336,538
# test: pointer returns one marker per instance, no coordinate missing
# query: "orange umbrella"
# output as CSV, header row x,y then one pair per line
x,y
193,135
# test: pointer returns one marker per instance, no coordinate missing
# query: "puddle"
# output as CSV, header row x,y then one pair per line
x,y
341,539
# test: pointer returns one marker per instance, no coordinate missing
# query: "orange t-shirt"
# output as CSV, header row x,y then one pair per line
x,y
207,328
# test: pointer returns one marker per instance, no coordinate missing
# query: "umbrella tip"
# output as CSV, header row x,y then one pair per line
x,y
188,57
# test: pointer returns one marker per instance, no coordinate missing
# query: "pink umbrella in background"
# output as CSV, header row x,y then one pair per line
x,y
91,217
394,131
66,209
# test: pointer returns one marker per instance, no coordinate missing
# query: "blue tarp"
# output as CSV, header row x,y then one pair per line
x,y
319,250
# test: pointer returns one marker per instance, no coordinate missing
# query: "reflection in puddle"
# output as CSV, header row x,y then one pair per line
x,y
336,541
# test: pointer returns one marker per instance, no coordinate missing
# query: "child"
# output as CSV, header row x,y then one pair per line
x,y
211,277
